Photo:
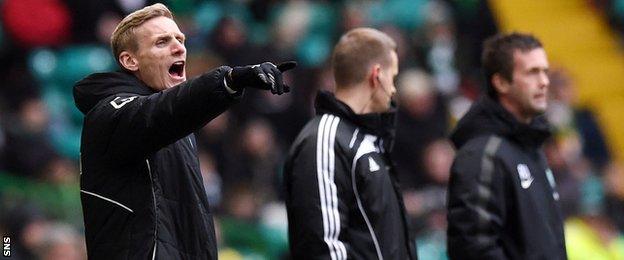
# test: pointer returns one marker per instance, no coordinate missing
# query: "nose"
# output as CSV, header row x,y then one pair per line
x,y
393,90
544,80
178,48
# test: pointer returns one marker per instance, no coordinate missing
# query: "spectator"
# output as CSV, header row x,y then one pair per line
x,y
61,242
422,118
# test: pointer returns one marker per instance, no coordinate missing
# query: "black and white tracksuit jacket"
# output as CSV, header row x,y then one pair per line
x,y
503,202
141,188
341,189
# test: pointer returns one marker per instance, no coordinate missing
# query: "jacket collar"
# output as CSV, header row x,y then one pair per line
x,y
487,116
380,124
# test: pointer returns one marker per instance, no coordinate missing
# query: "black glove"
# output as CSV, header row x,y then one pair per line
x,y
260,76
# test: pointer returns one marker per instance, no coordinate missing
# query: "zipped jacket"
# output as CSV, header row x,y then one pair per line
x,y
502,199
342,195
142,192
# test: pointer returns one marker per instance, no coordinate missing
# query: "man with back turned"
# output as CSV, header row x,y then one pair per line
x,y
341,187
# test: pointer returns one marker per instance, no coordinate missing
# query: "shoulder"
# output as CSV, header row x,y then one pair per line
x,y
113,104
326,126
479,152
485,144
105,81
101,88
111,75
484,155
325,131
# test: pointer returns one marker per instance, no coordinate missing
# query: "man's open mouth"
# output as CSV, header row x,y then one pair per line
x,y
177,69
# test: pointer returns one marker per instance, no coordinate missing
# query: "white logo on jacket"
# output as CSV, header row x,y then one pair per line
x,y
525,176
119,102
372,165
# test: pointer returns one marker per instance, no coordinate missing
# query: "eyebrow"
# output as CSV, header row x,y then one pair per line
x,y
169,36
539,67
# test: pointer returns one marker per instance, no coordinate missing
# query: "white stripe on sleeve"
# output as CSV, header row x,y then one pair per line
x,y
325,161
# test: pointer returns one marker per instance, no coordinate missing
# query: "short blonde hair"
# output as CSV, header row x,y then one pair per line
x,y
123,37
356,51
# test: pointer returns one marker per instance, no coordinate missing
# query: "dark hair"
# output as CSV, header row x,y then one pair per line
x,y
497,55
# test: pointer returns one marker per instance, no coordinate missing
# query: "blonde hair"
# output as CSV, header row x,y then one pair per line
x,y
356,51
123,37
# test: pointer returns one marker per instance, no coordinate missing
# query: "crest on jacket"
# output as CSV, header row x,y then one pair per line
x,y
372,165
525,176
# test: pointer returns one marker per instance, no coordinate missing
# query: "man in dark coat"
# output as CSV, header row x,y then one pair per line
x,y
503,202
141,187
341,187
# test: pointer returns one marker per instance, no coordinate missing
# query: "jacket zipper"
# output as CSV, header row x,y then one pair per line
x,y
149,170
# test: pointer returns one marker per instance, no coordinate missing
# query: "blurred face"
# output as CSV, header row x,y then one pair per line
x,y
438,158
526,96
385,89
161,55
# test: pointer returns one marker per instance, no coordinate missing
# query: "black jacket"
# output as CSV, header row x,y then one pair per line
x,y
341,190
503,202
141,189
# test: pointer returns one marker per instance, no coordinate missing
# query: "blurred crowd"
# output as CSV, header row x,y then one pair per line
x,y
47,45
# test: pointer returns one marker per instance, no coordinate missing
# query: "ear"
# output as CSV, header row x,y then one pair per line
x,y
128,61
500,83
373,78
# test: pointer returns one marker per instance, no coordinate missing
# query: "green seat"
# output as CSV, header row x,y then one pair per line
x,y
60,201
618,10
207,16
65,67
57,72
43,65
323,18
66,124
76,62
314,50
406,14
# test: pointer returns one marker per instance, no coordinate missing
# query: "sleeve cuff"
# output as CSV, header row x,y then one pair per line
x,y
229,90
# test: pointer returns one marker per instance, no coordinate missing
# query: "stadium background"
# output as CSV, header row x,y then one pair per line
x,y
47,45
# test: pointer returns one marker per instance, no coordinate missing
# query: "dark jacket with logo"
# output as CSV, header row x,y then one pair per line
x,y
341,188
141,189
503,202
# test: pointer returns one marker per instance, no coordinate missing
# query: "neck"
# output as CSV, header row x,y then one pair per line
x,y
515,110
356,97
